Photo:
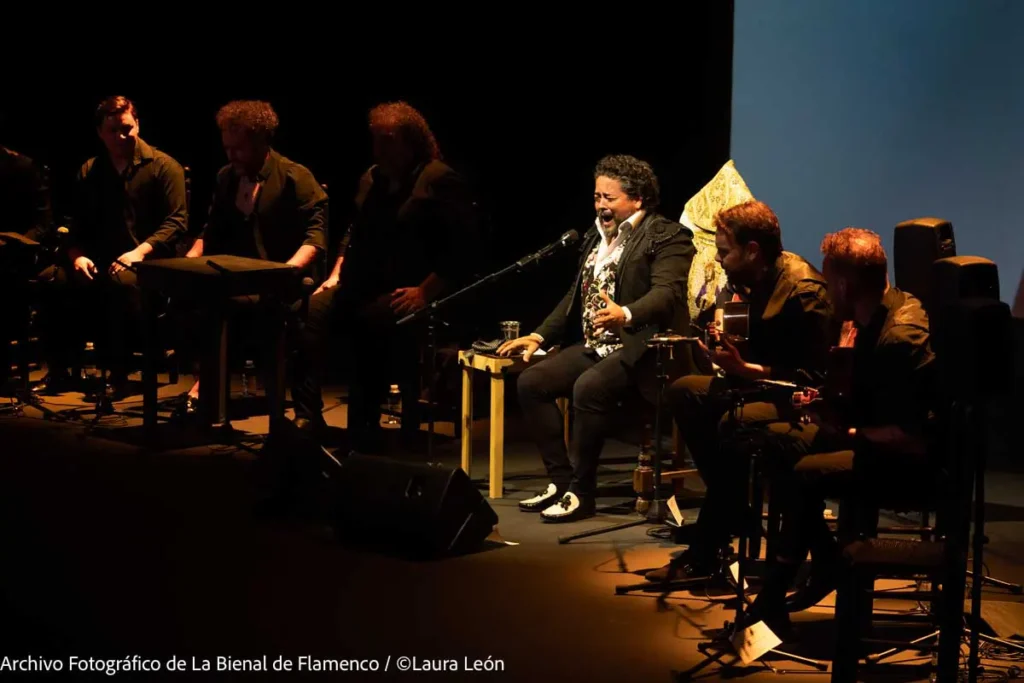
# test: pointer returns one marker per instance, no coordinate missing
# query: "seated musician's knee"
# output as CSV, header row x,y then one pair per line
x,y
688,389
592,393
532,384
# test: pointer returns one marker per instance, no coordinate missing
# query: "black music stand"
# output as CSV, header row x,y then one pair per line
x,y
220,276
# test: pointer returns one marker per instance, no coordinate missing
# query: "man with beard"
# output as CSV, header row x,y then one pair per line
x,y
265,206
405,247
790,332
884,418
631,283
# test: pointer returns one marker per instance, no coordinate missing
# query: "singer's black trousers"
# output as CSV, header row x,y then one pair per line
x,y
595,386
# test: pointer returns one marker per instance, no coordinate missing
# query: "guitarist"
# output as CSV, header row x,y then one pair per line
x,y
790,331
886,412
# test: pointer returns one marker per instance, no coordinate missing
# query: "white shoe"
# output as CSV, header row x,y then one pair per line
x,y
569,508
542,500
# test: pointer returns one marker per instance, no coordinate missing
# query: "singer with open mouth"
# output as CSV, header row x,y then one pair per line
x,y
630,284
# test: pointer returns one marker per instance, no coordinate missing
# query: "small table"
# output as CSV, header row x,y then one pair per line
x,y
497,368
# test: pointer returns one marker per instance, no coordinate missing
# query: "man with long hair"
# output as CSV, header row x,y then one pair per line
x,y
413,216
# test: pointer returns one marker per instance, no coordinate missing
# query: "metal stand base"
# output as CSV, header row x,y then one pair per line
x,y
657,513
1014,588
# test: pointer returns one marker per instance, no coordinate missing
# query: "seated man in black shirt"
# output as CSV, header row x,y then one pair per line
x,y
790,331
886,413
264,205
129,205
403,249
24,210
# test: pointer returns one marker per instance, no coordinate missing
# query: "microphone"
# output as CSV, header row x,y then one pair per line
x,y
563,241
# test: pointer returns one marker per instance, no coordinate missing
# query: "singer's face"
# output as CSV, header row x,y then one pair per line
x,y
245,153
119,133
611,204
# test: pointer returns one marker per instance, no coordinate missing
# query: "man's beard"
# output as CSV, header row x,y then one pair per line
x,y
743,278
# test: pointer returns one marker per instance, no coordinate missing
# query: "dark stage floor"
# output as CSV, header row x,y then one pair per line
x,y
110,551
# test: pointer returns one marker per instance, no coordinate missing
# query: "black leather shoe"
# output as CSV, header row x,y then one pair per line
x,y
542,500
689,565
820,582
57,382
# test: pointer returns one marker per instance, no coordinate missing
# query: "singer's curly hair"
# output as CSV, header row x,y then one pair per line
x,y
636,177
403,117
858,254
253,116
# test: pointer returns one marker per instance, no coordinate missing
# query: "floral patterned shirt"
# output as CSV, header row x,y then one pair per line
x,y
599,276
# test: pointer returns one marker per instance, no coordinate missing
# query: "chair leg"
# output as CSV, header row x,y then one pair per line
x,y
847,652
773,527
756,505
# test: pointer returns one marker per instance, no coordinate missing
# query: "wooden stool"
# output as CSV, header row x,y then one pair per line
x,y
497,368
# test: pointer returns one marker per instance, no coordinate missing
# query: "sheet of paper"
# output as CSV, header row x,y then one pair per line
x,y
753,642
734,568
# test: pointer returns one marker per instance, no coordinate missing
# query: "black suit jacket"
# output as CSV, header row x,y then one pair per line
x,y
397,240
651,282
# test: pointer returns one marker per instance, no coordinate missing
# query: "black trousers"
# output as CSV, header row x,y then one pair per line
x,y
376,352
595,386
808,464
707,418
106,310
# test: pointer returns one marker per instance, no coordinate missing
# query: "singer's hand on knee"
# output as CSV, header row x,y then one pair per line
x,y
529,346
85,266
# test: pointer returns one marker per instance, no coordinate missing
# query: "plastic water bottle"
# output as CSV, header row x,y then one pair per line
x,y
247,370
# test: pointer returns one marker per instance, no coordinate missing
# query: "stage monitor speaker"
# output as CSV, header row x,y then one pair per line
x,y
963,277
409,509
917,244
973,344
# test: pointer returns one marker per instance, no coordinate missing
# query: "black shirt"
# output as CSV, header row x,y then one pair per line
x,y
290,211
24,197
791,322
115,212
399,238
893,365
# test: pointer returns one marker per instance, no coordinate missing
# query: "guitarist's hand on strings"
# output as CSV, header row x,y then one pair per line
x,y
728,357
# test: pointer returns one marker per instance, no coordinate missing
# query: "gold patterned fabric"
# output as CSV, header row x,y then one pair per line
x,y
707,278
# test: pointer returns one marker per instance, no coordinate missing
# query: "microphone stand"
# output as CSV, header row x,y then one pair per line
x,y
431,313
